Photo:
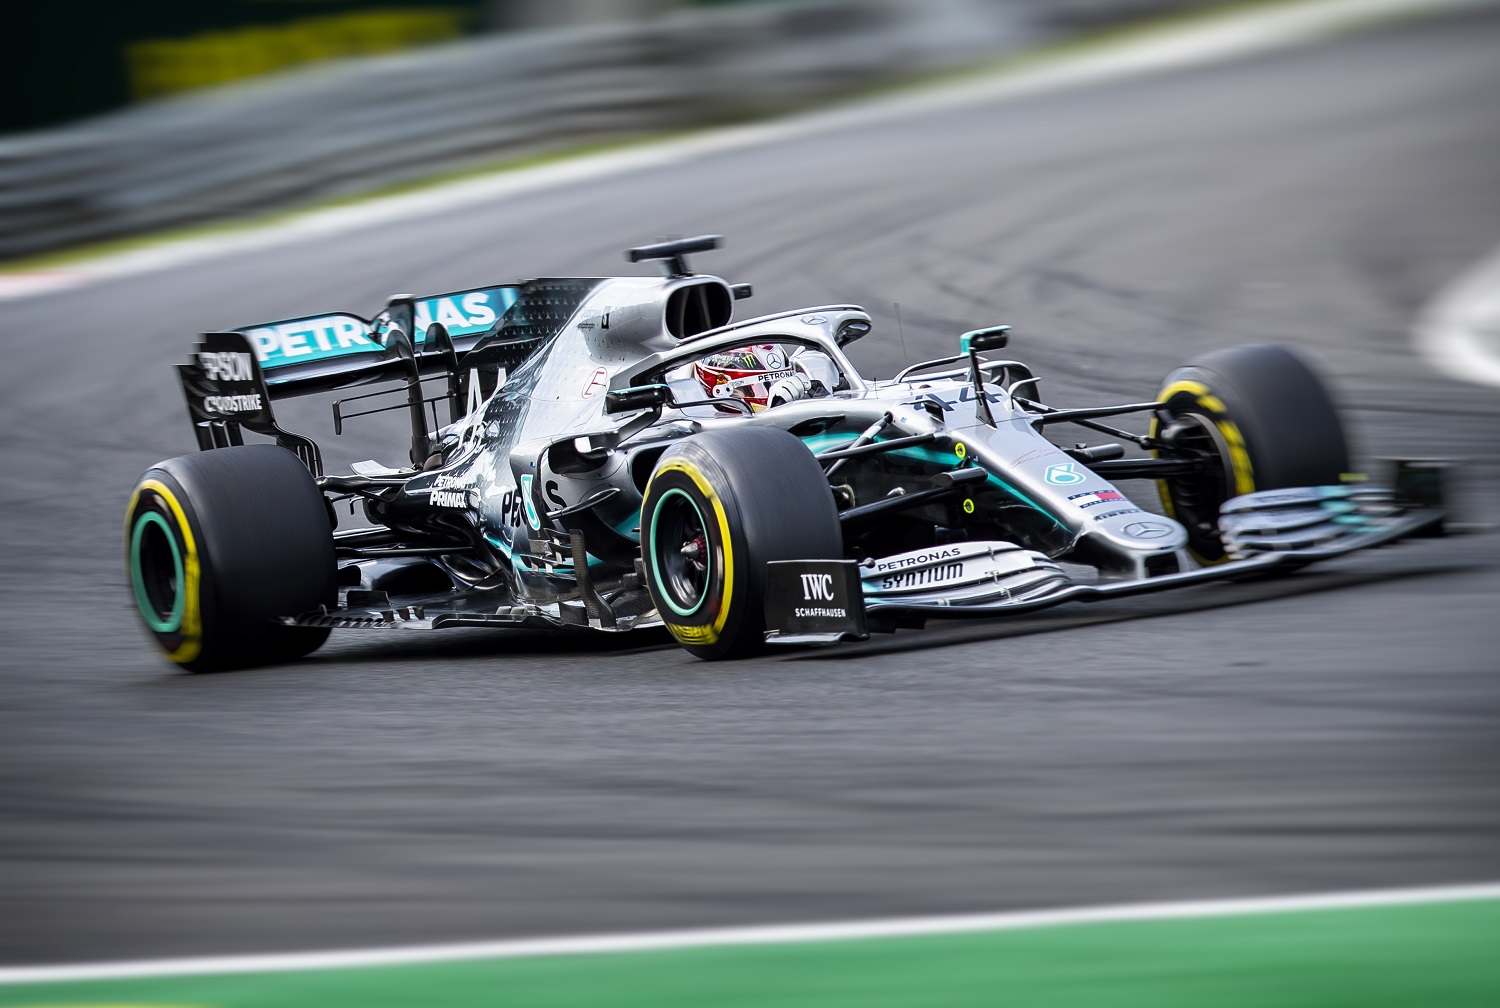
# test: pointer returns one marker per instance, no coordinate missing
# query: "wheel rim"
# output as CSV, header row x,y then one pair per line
x,y
156,572
1196,499
681,561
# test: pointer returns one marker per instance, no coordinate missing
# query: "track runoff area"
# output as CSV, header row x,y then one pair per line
x,y
1398,947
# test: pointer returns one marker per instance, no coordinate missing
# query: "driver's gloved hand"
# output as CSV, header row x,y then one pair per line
x,y
797,386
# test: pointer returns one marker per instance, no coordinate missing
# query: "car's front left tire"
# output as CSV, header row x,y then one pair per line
x,y
718,507
219,545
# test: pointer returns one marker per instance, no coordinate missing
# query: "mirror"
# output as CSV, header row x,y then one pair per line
x,y
980,340
628,400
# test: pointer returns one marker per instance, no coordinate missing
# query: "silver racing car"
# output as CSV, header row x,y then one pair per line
x,y
618,454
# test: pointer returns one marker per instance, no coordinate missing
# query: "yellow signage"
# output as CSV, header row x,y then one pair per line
x,y
164,66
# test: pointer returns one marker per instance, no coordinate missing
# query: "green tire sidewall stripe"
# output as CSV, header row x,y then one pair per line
x,y
172,623
661,587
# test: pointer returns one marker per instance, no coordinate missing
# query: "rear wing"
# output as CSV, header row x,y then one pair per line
x,y
234,376
322,352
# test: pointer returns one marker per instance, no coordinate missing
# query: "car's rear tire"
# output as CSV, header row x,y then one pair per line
x,y
744,496
1265,418
220,544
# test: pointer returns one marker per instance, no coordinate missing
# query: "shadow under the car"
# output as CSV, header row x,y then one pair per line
x,y
383,647
469,642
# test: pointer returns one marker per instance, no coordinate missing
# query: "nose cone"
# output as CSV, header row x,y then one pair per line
x,y
1131,543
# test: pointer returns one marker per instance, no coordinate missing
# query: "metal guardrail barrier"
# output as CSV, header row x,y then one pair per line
x,y
353,126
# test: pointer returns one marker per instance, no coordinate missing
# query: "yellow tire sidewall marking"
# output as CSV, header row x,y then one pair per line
x,y
192,617
1239,455
710,633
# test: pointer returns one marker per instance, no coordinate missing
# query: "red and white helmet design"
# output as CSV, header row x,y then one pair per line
x,y
746,373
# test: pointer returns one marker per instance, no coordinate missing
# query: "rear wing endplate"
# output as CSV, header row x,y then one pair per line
x,y
226,392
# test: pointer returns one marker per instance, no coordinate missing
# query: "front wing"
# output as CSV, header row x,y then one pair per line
x,y
820,602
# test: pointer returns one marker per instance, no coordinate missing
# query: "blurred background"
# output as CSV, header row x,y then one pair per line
x,y
128,117
1127,182
140,50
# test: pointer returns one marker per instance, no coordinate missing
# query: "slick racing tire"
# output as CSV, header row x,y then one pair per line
x,y
1265,419
719,506
220,544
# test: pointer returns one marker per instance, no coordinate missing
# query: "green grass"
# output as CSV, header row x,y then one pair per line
x,y
1389,957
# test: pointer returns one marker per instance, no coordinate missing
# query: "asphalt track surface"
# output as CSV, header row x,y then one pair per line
x,y
1340,729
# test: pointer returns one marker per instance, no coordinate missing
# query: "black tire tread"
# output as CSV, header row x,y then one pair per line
x,y
1289,420
265,548
778,506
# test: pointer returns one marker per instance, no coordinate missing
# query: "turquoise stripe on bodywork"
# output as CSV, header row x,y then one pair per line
x,y
823,442
630,525
510,555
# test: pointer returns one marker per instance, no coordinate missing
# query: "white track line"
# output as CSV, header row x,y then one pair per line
x,y
908,927
1459,333
1226,37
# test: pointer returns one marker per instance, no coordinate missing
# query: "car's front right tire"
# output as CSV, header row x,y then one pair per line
x,y
1262,417
219,545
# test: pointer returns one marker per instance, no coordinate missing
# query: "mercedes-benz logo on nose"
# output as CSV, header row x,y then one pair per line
x,y
1147,530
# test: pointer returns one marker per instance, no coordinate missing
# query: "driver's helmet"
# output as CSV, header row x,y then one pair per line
x,y
747,373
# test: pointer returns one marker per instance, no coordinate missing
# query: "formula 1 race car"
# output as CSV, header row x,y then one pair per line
x,y
619,454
